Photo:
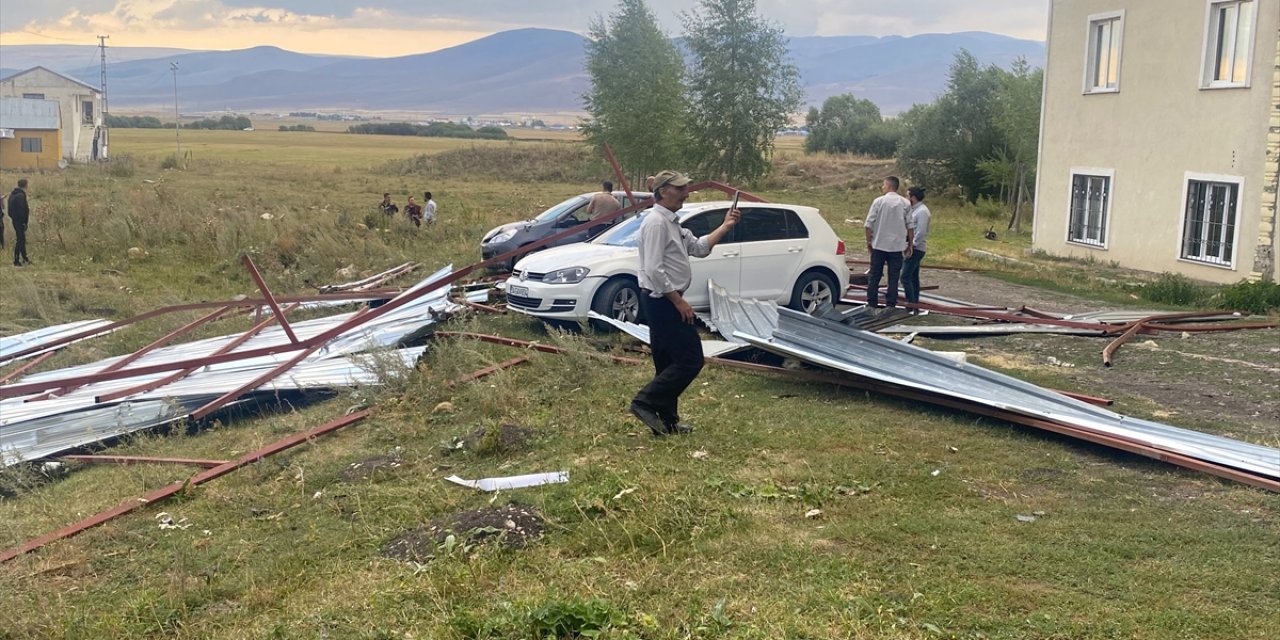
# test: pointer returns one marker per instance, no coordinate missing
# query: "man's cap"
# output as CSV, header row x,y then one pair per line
x,y
673,178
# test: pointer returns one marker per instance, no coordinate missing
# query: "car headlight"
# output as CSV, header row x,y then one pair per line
x,y
572,275
502,236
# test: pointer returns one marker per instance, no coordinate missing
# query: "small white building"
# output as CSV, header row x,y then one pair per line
x,y
83,134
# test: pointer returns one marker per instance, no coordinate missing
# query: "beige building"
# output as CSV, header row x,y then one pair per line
x,y
80,104
1160,136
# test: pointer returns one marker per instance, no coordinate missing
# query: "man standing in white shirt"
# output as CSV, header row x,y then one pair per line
x,y
890,234
921,217
664,276
428,208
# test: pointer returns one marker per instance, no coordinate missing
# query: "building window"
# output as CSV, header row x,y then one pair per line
x,y
1229,43
1102,70
1090,206
32,145
1209,227
88,111
33,96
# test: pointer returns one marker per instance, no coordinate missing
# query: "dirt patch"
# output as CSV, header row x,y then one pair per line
x,y
511,526
374,468
502,439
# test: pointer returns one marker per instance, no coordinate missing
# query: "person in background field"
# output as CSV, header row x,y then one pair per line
x,y
603,203
20,214
665,273
428,208
3,197
921,218
387,206
414,211
889,237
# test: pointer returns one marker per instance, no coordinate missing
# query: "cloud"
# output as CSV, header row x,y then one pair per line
x,y
397,24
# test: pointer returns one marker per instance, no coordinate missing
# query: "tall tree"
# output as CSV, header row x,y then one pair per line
x,y
847,124
1017,119
636,102
742,89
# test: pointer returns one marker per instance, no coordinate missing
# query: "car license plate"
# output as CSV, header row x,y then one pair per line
x,y
513,290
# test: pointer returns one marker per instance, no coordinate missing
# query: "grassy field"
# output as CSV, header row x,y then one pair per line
x,y
796,510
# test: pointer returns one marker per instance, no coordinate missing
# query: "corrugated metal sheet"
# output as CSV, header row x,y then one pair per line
x,y
26,113
837,346
21,341
710,348
730,314
29,430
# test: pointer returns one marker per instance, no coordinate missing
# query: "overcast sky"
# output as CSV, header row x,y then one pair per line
x,y
399,27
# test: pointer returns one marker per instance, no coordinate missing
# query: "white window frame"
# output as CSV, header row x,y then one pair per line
x,y
1091,48
1094,172
1182,217
1209,59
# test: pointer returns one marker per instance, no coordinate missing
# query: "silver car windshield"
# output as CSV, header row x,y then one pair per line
x,y
624,234
558,210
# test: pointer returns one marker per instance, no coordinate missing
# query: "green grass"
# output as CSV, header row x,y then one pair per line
x,y
698,537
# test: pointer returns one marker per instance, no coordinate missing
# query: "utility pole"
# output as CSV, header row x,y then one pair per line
x,y
173,66
102,141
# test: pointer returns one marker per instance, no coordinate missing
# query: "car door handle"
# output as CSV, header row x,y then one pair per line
x,y
794,249
729,254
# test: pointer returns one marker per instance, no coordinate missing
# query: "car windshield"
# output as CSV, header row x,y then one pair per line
x,y
558,210
625,234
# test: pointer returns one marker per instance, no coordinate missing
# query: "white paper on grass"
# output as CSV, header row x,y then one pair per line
x,y
513,482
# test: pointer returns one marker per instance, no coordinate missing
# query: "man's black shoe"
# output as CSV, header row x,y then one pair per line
x,y
650,418
679,429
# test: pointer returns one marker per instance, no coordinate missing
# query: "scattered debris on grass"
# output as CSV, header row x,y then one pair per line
x,y
510,526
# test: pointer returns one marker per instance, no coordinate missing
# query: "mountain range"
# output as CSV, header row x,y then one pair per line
x,y
525,71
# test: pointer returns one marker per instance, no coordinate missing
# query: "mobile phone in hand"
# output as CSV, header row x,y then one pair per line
x,y
735,200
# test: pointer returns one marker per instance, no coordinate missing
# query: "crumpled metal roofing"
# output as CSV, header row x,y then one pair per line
x,y
837,346
730,314
29,430
18,342
710,348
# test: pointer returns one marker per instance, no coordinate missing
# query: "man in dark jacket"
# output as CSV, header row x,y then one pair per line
x,y
19,213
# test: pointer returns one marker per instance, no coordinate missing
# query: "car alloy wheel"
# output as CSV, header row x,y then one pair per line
x,y
625,305
813,292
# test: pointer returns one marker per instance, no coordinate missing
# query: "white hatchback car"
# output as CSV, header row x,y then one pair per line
x,y
787,253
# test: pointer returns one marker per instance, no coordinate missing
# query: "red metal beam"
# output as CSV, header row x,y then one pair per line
x,y
266,295
176,487
476,375
208,464
133,357
155,384
523,344
617,171
246,303
16,372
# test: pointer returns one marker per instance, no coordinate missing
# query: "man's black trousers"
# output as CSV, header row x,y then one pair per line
x,y
20,242
878,260
677,357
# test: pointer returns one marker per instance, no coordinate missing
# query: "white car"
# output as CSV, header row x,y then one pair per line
x,y
780,252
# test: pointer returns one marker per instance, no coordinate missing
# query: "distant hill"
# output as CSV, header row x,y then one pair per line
x,y
521,71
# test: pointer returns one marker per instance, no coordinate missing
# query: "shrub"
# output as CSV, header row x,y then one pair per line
x,y
986,207
120,167
1176,289
170,162
1259,297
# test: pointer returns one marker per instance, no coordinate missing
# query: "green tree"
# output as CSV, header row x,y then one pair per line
x,y
957,132
847,124
636,101
1017,118
742,89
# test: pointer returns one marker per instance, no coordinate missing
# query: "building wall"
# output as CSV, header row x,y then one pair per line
x,y
1159,126
78,128
12,156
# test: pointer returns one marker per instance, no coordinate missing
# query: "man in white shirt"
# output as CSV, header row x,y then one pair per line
x,y
664,275
921,217
889,232
428,208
